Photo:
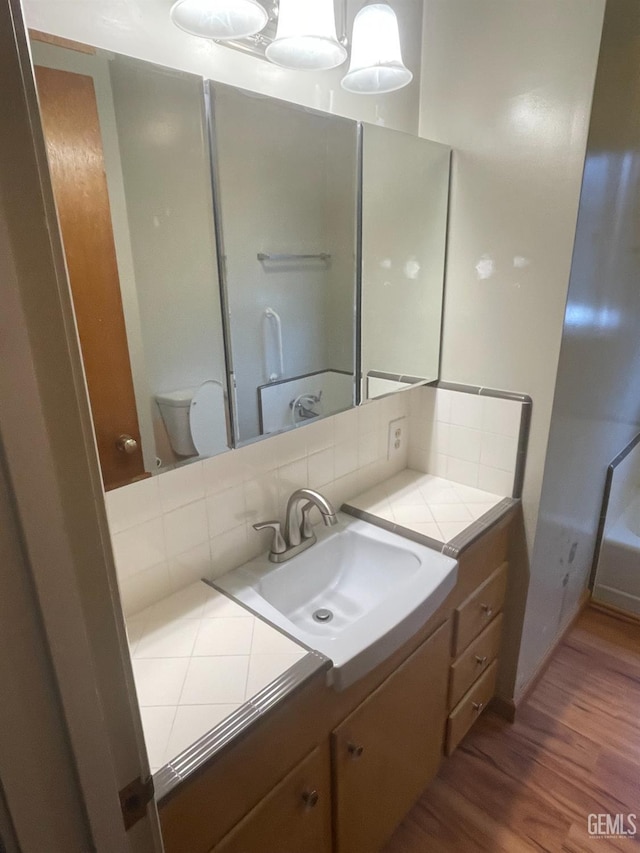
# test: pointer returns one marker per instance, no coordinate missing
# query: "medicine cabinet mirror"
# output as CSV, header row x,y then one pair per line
x,y
405,191
199,219
286,181
129,159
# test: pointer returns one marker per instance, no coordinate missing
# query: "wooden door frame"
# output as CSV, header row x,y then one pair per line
x,y
54,489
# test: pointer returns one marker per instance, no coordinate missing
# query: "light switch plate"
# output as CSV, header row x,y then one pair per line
x,y
397,437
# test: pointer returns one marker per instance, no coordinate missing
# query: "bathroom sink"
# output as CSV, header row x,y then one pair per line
x,y
355,596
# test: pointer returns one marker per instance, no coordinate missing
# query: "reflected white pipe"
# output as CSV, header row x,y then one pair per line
x,y
270,314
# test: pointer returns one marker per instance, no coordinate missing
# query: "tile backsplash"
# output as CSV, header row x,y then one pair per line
x,y
196,521
468,438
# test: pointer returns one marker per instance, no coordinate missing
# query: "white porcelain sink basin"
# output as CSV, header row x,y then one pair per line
x,y
378,588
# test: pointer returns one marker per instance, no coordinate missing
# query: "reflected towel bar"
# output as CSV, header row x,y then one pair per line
x,y
322,256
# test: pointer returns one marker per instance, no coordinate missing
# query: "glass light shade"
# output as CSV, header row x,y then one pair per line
x,y
376,59
306,36
219,19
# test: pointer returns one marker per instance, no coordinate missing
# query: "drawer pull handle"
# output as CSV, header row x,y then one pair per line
x,y
478,707
487,608
481,660
355,751
310,798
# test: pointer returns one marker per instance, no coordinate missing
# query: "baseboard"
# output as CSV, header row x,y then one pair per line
x,y
505,708
615,612
546,660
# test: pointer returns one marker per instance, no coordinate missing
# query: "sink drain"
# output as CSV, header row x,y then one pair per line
x,y
323,615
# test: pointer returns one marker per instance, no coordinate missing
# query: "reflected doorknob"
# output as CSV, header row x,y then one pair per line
x,y
126,444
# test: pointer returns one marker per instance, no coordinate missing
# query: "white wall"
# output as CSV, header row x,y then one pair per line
x,y
597,404
142,28
508,85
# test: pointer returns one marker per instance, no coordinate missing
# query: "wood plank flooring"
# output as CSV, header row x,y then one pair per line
x,y
574,750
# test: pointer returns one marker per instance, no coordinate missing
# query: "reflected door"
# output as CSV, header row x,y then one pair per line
x,y
76,162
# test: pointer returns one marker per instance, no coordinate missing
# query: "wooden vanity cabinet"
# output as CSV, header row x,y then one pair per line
x,y
294,817
387,751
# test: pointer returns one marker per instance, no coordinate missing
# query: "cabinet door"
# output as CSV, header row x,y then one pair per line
x,y
294,818
390,747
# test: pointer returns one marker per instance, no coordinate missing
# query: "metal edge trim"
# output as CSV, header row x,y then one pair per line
x,y
455,546
237,724
483,391
357,312
480,526
521,453
302,376
608,483
397,377
233,435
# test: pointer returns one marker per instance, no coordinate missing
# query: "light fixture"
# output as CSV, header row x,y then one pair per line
x,y
306,36
376,59
219,19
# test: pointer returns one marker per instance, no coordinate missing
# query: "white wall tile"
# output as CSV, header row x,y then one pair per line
x,y
345,457
229,550
190,566
461,471
223,471
499,451
501,416
319,435
321,468
226,510
139,548
495,481
261,498
185,528
463,443
444,400
181,486
466,410
133,505
346,425
144,588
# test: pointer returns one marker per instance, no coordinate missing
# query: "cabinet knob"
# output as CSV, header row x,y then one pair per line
x,y
478,707
354,750
310,798
126,444
487,609
481,660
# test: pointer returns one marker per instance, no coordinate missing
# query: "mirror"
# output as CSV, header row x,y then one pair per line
x,y
405,191
286,182
214,309
129,157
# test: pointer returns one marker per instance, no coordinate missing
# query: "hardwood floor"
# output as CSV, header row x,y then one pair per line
x,y
574,750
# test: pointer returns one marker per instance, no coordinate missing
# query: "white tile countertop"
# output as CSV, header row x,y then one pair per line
x,y
197,657
432,506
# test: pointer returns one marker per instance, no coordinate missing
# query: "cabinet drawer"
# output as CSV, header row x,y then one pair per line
x,y
295,816
479,609
470,707
474,661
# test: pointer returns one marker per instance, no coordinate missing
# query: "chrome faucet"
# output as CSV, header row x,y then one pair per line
x,y
298,533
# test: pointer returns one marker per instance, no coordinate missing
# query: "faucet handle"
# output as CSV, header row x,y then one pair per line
x,y
306,528
278,545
